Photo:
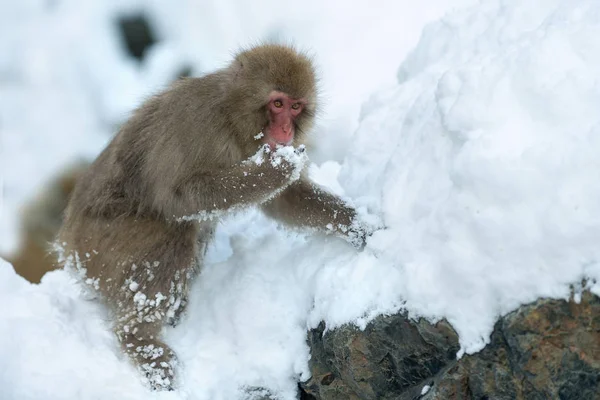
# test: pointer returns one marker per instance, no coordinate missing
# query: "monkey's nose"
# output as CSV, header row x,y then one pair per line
x,y
287,128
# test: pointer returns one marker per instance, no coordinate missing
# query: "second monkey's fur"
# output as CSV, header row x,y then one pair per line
x,y
130,225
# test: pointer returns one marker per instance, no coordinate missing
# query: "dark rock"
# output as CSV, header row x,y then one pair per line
x,y
546,350
391,359
137,34
304,395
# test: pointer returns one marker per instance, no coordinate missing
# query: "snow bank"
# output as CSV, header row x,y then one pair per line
x,y
55,344
483,161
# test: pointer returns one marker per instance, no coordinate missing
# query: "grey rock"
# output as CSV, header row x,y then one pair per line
x,y
546,350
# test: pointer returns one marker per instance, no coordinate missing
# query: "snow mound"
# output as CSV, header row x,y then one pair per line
x,y
485,163
56,344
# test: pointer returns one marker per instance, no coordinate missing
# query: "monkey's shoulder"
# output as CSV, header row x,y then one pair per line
x,y
185,102
196,90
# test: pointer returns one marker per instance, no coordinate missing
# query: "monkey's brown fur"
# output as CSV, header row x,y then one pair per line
x,y
180,155
40,221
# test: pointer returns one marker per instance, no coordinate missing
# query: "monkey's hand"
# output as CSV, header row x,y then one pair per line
x,y
290,158
363,225
287,159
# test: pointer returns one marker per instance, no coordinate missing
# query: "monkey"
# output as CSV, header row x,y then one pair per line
x,y
40,221
140,218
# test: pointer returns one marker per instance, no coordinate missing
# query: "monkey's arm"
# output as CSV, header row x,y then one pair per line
x,y
304,204
207,194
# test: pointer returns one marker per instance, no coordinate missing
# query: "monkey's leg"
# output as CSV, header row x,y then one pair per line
x,y
156,294
143,268
149,304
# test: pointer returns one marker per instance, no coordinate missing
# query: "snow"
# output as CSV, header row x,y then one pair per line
x,y
479,152
485,162
425,389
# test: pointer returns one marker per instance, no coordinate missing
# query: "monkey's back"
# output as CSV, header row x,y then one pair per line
x,y
113,219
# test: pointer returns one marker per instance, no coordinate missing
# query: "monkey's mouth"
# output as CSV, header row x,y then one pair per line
x,y
273,144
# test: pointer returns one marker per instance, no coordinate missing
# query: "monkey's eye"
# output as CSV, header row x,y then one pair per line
x,y
296,106
278,103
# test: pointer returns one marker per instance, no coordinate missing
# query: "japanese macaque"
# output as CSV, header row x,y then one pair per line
x,y
41,219
140,219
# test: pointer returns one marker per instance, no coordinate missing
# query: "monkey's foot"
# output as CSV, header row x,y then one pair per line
x,y
156,361
159,374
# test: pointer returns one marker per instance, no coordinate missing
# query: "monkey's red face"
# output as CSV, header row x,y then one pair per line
x,y
282,112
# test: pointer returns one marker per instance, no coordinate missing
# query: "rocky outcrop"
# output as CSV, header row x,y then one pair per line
x,y
546,350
